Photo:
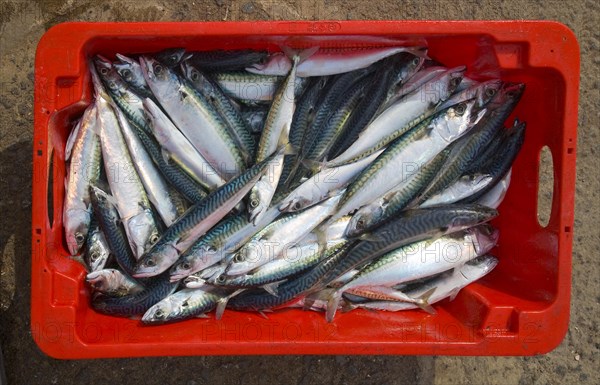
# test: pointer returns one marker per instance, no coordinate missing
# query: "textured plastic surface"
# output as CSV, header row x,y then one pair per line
x,y
521,308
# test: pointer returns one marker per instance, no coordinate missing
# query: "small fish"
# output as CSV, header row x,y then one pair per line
x,y
84,170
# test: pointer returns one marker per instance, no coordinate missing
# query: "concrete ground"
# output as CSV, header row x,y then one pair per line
x,y
22,24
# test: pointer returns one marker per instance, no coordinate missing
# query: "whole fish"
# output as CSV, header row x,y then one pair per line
x,y
198,220
471,146
406,156
447,285
105,211
227,60
113,283
162,196
188,111
138,303
331,61
237,125
130,71
419,260
97,250
125,184
185,304
409,227
275,132
83,171
401,116
270,243
178,148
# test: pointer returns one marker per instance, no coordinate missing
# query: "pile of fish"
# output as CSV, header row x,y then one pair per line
x,y
324,179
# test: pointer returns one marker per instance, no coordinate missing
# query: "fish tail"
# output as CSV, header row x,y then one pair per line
x,y
332,304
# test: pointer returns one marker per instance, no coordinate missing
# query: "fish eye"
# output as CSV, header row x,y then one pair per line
x,y
254,203
221,278
415,62
490,92
239,258
153,239
360,224
150,263
185,266
79,238
103,71
159,313
112,85
173,59
126,73
460,109
194,76
158,69
296,206
94,256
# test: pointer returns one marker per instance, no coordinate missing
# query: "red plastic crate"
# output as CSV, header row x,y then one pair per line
x,y
521,308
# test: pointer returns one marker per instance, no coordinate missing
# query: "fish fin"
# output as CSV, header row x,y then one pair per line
x,y
348,306
271,288
454,293
311,298
203,315
283,142
300,56
312,165
262,313
423,301
222,303
332,304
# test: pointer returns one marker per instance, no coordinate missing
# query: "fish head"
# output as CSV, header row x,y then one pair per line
x,y
127,69
276,64
411,64
142,231
171,57
108,74
486,91
478,267
196,76
246,259
293,203
484,238
156,73
257,203
77,224
103,280
157,260
458,119
97,253
162,311
364,219
191,263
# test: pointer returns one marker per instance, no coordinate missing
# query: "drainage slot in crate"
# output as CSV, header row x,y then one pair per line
x,y
545,187
50,191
